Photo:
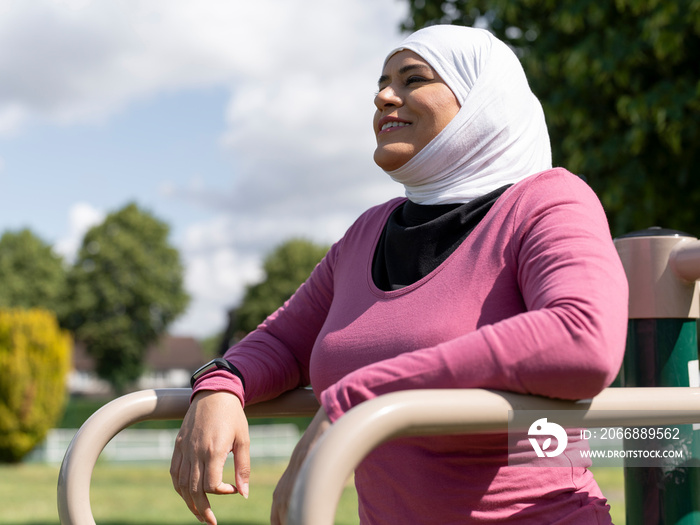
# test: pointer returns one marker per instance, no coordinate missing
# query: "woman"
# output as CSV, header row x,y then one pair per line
x,y
497,272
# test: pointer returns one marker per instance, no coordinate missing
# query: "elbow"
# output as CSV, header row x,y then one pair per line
x,y
591,381
577,382
600,356
592,361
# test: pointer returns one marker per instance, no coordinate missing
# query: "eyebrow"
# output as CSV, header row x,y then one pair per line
x,y
402,70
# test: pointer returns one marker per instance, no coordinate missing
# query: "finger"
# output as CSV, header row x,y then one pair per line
x,y
175,462
275,513
202,508
182,486
241,462
280,498
278,516
274,517
213,477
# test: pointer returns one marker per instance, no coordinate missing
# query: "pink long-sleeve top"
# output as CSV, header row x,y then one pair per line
x,y
533,301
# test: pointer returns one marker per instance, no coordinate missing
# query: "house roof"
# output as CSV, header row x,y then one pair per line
x,y
175,352
171,352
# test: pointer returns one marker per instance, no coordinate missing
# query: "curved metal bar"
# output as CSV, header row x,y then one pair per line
x,y
416,412
424,412
685,260
661,271
170,403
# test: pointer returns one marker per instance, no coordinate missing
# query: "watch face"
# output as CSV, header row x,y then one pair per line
x,y
207,368
212,365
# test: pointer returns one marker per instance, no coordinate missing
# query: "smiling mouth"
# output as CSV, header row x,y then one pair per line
x,y
394,124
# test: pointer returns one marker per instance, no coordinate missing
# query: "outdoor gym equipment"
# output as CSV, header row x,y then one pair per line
x,y
662,268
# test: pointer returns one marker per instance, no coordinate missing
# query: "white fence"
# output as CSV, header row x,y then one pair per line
x,y
267,442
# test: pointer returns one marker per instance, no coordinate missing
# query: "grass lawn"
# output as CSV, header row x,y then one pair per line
x,y
142,494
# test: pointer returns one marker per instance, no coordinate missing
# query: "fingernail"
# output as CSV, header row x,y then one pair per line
x,y
244,490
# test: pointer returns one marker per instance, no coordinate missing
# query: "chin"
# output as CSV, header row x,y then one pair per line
x,y
390,160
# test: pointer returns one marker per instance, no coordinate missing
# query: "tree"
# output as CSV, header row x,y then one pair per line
x,y
34,359
31,274
619,83
125,288
286,267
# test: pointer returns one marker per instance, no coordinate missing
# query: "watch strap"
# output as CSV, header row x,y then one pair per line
x,y
217,364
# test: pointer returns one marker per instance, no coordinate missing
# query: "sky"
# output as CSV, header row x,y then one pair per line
x,y
240,124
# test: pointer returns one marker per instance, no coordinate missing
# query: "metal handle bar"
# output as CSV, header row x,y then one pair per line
x,y
416,412
168,403
424,412
685,260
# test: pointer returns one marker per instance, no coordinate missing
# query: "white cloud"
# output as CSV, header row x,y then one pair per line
x,y
81,218
82,60
299,127
224,255
216,280
74,4
11,117
301,76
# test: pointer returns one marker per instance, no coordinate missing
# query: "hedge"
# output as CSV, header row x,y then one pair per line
x,y
35,357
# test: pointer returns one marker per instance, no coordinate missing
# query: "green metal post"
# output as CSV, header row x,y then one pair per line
x,y
662,351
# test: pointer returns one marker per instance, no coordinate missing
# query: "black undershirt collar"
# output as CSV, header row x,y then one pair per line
x,y
417,238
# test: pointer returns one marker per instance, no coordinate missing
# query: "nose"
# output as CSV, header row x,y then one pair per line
x,y
387,97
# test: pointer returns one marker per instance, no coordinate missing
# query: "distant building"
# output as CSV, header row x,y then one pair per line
x,y
168,364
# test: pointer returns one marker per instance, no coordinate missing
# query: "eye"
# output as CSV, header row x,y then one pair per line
x,y
413,79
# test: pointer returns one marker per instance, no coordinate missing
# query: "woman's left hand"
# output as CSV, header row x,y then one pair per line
x,y
283,491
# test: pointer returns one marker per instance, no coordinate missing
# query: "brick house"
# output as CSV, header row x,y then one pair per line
x,y
168,364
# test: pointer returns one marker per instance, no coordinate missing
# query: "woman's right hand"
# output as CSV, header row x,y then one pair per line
x,y
283,492
214,425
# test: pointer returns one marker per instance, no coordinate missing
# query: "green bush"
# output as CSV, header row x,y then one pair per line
x,y
34,361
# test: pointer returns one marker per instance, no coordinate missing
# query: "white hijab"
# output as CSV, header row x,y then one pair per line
x,y
499,135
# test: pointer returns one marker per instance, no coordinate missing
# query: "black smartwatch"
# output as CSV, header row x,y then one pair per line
x,y
217,364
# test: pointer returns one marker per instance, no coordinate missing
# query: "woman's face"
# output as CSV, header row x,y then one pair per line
x,y
413,106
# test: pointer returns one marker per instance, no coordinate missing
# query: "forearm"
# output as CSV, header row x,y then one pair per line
x,y
275,357
548,353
